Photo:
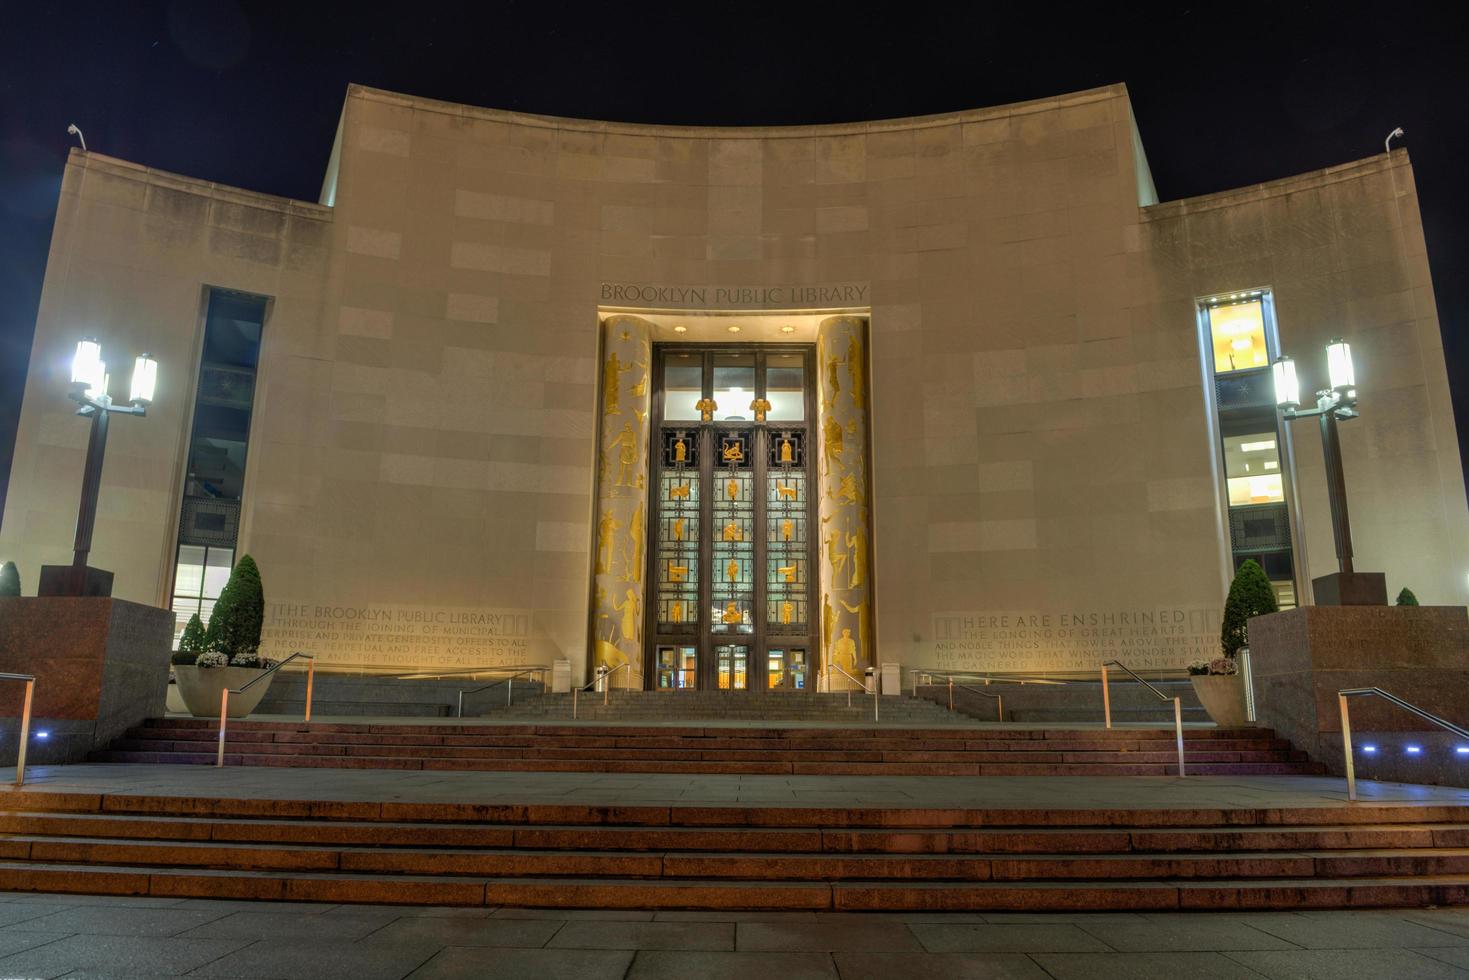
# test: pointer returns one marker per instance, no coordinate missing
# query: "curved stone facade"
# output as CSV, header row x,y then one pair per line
x,y
1044,479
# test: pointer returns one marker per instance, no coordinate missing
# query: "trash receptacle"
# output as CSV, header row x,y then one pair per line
x,y
892,679
871,682
602,673
561,676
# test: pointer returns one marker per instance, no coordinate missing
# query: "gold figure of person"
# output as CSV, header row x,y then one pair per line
x,y
732,488
732,532
844,652
675,612
678,528
787,530
732,614
612,371
678,573
786,609
606,530
680,451
630,618
626,443
786,454
732,570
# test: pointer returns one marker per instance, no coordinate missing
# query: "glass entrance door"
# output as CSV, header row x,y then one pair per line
x,y
730,552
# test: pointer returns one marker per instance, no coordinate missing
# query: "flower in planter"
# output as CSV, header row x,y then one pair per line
x,y
212,659
1223,665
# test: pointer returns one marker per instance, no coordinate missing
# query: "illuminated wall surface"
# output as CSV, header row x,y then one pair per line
x,y
1050,478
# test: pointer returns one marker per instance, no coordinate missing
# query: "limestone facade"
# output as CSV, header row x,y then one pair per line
x,y
1045,484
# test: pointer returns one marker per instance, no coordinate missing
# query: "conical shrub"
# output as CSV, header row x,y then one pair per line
x,y
1405,598
239,613
191,643
1250,594
9,579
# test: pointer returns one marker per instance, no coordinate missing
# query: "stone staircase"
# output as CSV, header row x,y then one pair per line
x,y
1076,701
655,706
735,857
682,748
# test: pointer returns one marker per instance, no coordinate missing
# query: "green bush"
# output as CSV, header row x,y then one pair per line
x,y
191,644
1250,594
239,614
9,579
1407,598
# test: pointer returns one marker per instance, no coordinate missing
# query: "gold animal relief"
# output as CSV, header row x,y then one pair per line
x,y
707,407
785,492
733,453
760,407
787,572
679,491
678,573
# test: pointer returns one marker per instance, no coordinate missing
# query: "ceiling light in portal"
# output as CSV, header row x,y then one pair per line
x,y
1287,388
1257,447
680,328
732,329
788,329
1339,365
145,379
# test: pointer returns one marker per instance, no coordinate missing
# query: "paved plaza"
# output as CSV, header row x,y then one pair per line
x,y
80,936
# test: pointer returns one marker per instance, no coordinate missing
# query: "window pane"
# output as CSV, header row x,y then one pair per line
x,y
784,384
683,386
1239,336
1252,469
217,571
188,578
734,385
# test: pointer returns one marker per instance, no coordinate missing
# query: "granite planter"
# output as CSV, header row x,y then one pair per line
x,y
200,688
1223,697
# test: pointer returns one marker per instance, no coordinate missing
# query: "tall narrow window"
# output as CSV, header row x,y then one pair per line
x,y
214,478
1239,343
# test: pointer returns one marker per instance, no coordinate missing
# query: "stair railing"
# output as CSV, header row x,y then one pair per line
x,y
25,723
861,685
224,695
1177,705
605,680
997,698
1346,725
509,683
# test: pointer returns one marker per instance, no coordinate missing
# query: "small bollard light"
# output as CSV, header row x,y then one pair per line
x,y
1413,749
1369,750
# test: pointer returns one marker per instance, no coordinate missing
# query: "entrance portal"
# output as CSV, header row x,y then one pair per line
x,y
731,554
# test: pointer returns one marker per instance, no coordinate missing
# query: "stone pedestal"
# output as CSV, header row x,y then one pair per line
x,y
101,667
1350,589
74,580
1301,659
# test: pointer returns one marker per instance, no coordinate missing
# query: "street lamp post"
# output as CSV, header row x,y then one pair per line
x,y
89,383
1347,586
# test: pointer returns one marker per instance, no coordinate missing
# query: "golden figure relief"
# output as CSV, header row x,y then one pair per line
x,y
606,529
732,614
786,609
631,620
787,572
679,491
832,384
831,447
844,652
733,453
732,570
680,451
787,530
632,570
760,407
732,532
857,548
786,455
732,488
678,573
675,612
626,443
785,492
828,620
836,556
612,371
847,490
641,388
854,368
707,407
678,528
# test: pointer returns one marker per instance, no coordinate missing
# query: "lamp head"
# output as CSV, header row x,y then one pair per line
x,y
88,372
1287,388
1339,366
145,380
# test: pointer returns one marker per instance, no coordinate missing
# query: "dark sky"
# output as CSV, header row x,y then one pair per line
x,y
249,94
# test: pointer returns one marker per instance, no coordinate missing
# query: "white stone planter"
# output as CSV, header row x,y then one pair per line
x,y
200,688
1223,697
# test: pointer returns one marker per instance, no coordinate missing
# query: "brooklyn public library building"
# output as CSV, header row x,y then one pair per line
x,y
740,408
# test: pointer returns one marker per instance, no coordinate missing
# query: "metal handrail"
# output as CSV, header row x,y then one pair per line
x,y
1177,705
25,723
988,678
509,683
448,672
999,699
606,687
1346,725
863,686
224,695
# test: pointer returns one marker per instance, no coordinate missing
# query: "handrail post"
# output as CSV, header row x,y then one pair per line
x,y
951,693
574,692
876,690
25,733
509,686
459,712
1346,747
310,683
1000,706
1178,730
1106,698
224,711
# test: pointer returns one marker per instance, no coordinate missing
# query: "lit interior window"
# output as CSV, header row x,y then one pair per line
x,y
683,386
1238,331
1252,469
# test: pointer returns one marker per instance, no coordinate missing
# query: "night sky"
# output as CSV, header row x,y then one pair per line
x,y
249,94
